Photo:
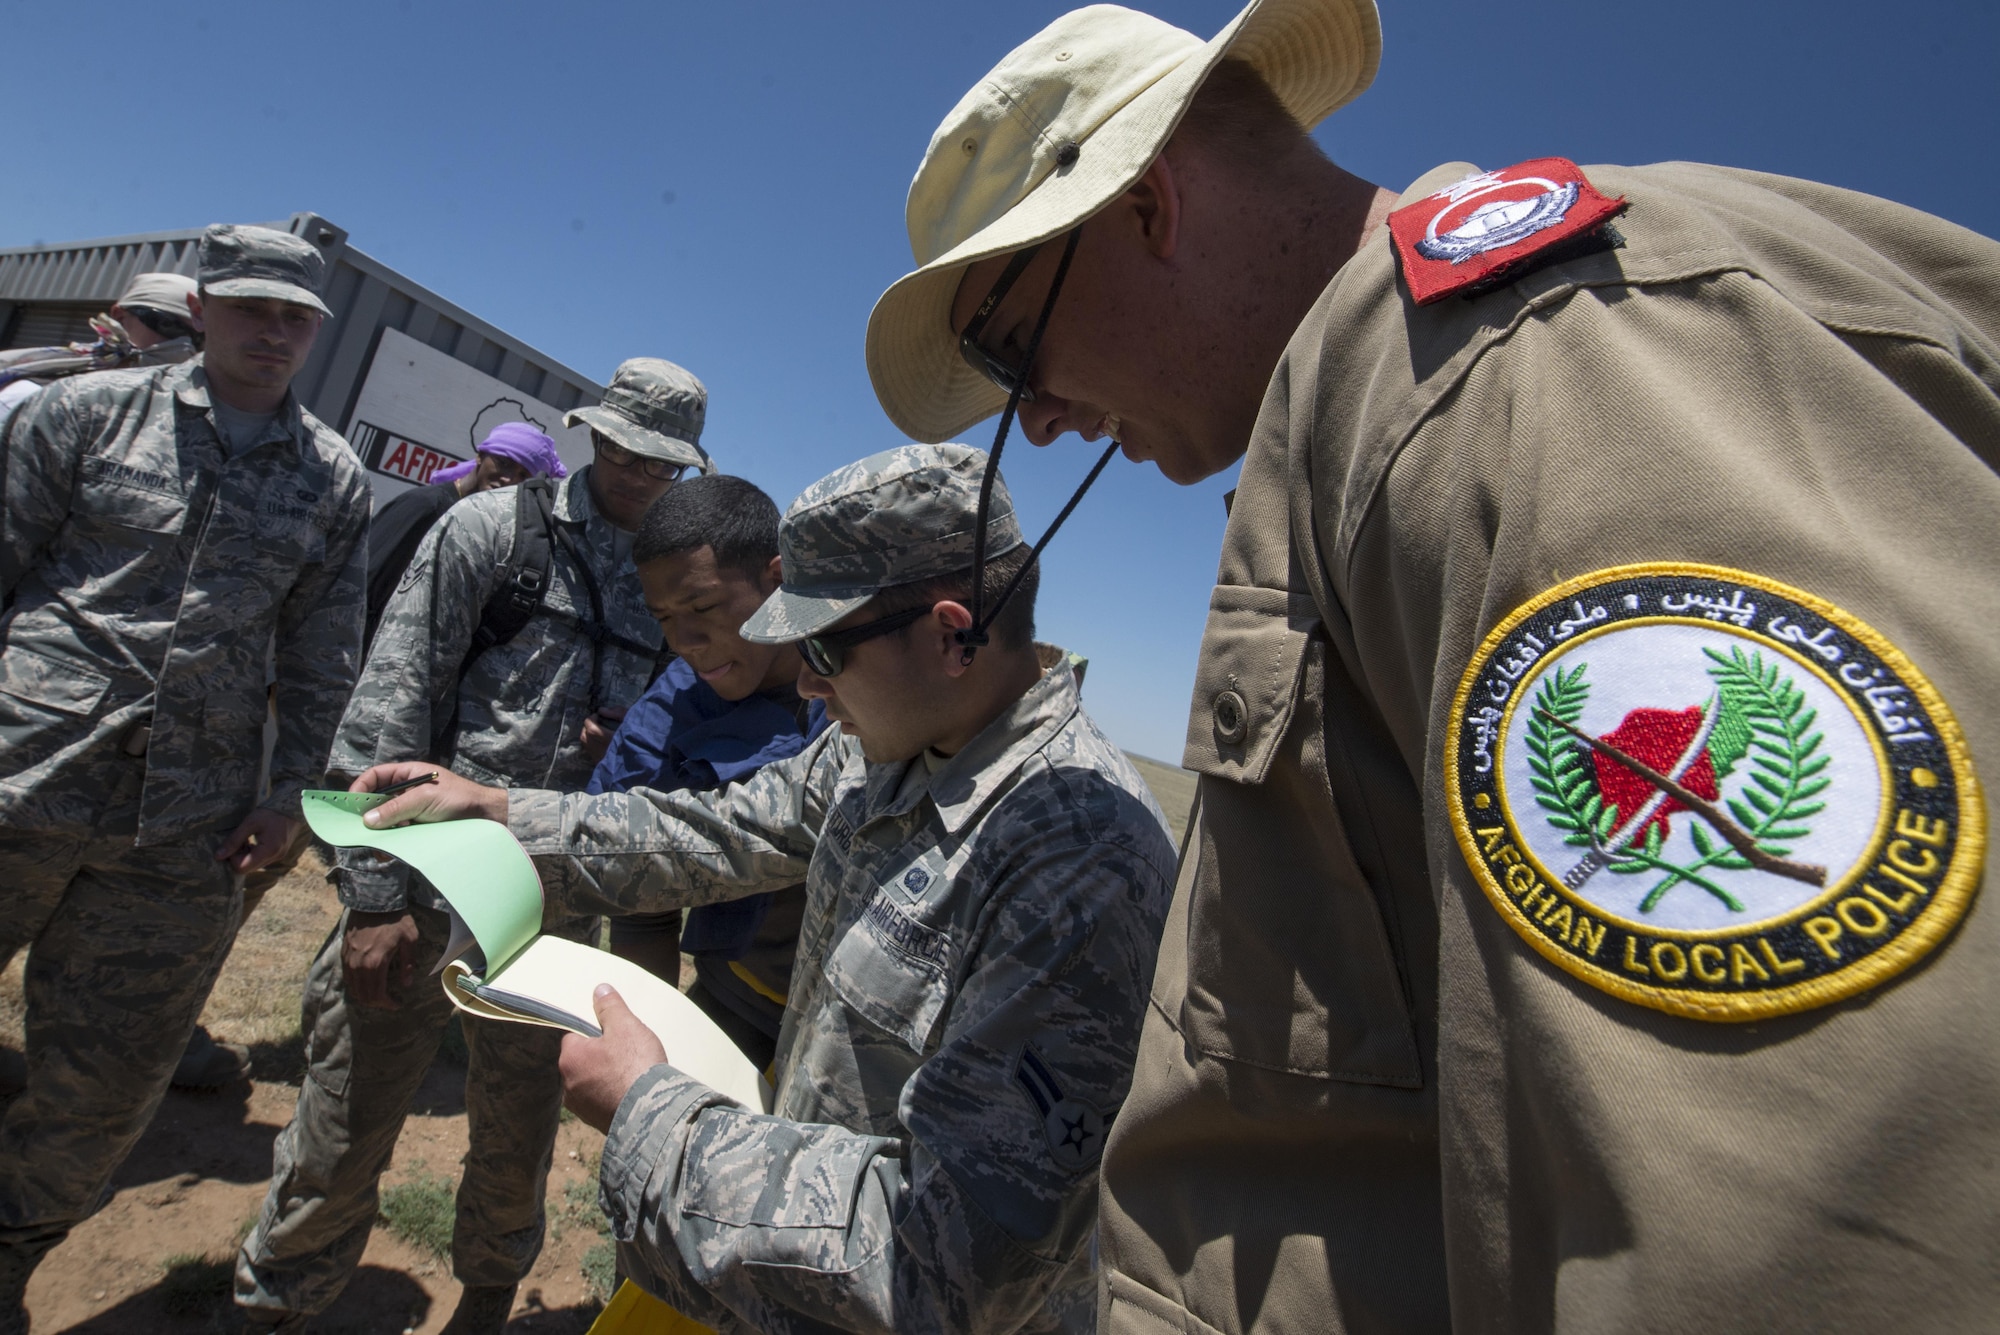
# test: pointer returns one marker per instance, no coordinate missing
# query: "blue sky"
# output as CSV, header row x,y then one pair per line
x,y
723,184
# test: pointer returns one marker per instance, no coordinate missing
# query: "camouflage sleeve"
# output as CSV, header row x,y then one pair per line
x,y
318,654
984,1216
410,678
44,438
644,851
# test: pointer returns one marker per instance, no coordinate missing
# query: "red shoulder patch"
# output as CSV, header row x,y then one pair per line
x,y
1470,234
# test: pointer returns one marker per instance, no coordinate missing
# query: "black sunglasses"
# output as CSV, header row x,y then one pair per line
x,y
826,652
660,470
161,323
1004,375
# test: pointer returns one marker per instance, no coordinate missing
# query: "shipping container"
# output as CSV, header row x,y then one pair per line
x,y
413,381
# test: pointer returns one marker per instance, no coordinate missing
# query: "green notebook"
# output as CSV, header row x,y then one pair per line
x,y
495,897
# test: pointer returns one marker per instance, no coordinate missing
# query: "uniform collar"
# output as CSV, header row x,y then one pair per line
x,y
961,787
572,499
188,383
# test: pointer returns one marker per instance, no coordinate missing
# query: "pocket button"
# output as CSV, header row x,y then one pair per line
x,y
1232,716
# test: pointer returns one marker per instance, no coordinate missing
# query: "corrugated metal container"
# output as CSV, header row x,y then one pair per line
x,y
49,292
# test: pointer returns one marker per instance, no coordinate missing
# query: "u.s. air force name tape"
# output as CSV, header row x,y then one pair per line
x,y
1709,793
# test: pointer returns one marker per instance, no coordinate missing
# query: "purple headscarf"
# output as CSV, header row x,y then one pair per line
x,y
518,441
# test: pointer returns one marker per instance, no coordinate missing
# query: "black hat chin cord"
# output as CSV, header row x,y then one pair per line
x,y
974,637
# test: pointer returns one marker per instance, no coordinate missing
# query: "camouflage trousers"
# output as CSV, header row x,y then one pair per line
x,y
364,1068
123,946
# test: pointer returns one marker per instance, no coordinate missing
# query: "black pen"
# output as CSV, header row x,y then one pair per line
x,y
407,784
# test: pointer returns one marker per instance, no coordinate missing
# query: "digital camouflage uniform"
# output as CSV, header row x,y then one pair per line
x,y
520,712
967,994
150,576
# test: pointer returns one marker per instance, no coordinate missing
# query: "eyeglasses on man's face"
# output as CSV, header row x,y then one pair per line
x,y
826,652
611,452
1002,374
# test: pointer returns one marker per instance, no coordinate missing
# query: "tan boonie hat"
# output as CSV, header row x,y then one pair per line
x,y
1060,128
240,261
893,518
655,408
167,292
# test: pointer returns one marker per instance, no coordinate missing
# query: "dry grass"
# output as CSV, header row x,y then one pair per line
x,y
1173,789
421,1212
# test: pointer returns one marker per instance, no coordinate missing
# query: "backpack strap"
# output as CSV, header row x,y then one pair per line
x,y
524,582
524,578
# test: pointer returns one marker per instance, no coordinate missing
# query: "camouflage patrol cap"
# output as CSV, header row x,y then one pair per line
x,y
893,518
239,261
654,408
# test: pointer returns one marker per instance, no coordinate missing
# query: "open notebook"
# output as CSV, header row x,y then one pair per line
x,y
489,882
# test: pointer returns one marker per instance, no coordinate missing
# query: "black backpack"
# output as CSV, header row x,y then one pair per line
x,y
524,583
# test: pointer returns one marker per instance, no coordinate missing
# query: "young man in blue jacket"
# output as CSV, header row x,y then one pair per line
x,y
708,558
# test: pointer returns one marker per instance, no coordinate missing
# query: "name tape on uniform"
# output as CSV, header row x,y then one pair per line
x,y
1707,792
1472,234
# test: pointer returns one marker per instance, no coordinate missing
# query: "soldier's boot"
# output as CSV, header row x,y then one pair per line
x,y
275,1323
482,1310
208,1064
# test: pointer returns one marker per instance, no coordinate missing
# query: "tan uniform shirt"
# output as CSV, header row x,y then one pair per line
x,y
1364,1100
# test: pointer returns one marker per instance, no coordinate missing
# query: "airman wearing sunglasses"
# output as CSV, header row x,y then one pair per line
x,y
153,327
986,878
516,711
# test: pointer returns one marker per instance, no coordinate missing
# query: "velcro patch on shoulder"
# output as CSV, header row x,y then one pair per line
x,y
1468,236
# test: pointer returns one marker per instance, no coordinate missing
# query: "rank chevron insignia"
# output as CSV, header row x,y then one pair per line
x,y
1712,794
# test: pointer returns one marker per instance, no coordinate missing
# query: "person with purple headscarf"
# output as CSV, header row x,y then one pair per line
x,y
512,453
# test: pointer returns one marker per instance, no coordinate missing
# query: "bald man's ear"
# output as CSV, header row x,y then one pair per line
x,y
1154,203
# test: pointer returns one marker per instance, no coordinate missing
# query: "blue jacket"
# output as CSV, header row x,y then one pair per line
x,y
681,734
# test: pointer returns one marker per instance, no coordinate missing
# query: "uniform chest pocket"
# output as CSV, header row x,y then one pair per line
x,y
106,501
894,971
1290,964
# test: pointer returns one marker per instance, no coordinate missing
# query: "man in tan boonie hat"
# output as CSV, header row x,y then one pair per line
x,y
1060,128
1538,467
654,409
155,310
150,325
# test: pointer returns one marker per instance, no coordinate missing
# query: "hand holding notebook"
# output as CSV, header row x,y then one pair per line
x,y
489,882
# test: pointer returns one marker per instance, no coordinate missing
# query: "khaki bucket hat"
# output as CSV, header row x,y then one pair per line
x,y
1060,128
167,293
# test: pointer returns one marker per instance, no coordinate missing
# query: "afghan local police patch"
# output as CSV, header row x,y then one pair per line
x,y
1709,793
1471,234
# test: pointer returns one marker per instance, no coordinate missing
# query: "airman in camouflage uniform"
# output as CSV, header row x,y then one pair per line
x,y
971,971
163,534
373,1016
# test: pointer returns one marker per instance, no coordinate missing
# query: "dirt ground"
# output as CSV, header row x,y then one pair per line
x,y
154,1259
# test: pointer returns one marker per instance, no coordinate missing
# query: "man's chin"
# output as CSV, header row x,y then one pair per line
x,y
1185,466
